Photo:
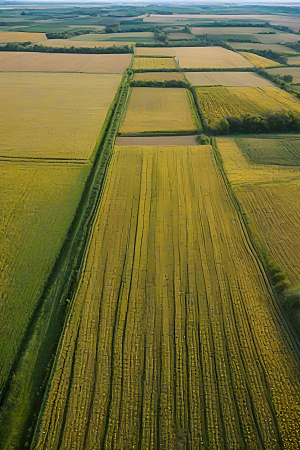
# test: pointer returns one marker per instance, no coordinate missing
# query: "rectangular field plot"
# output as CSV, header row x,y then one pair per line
x,y
60,62
217,102
153,63
269,195
172,325
37,204
294,71
190,57
53,115
143,36
229,30
294,60
226,79
85,44
153,110
159,76
273,47
16,36
259,61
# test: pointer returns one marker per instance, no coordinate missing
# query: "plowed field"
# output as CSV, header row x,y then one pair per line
x,y
173,338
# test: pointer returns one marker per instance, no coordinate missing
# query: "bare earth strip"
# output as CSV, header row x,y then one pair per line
x,y
156,141
49,115
227,79
173,335
189,57
16,36
60,62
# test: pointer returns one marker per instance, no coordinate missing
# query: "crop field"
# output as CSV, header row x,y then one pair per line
x,y
227,79
173,336
229,30
60,62
249,45
16,36
217,102
50,115
143,36
278,38
37,204
259,61
153,63
270,196
180,36
153,110
294,60
294,71
85,44
190,57
159,76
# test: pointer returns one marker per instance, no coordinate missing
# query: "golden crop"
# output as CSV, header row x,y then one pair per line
x,y
159,76
53,115
37,204
217,102
20,36
227,79
259,61
157,110
172,327
153,63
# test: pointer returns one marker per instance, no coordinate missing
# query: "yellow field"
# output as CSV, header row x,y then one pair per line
x,y
159,76
88,44
189,57
259,61
218,102
60,62
20,36
227,79
53,115
294,60
37,204
270,196
153,63
158,110
173,336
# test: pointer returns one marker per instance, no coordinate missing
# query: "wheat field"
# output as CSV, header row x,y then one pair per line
x,y
259,61
153,63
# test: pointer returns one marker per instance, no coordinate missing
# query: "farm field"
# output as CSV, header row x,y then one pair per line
x,y
294,60
143,36
15,36
37,204
190,57
51,115
168,330
269,194
153,110
259,61
249,46
156,141
153,63
229,30
60,62
278,38
180,36
227,79
159,76
84,44
217,102
294,71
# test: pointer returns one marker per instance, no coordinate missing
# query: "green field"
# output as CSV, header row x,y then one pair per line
x,y
271,151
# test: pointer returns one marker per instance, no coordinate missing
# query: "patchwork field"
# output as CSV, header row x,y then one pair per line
x,y
60,62
274,47
269,194
53,115
229,30
218,101
173,327
278,38
180,36
294,71
85,44
190,57
259,61
227,79
37,204
153,110
159,76
153,63
143,36
294,60
16,36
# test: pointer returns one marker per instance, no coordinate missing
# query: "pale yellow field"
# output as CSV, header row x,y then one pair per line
x,y
259,61
88,44
53,115
153,63
294,71
229,30
227,79
217,102
270,196
20,36
158,109
37,204
172,326
60,62
189,57
159,76
294,60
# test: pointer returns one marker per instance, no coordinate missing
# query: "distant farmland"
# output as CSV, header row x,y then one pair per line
x,y
259,61
227,79
16,36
